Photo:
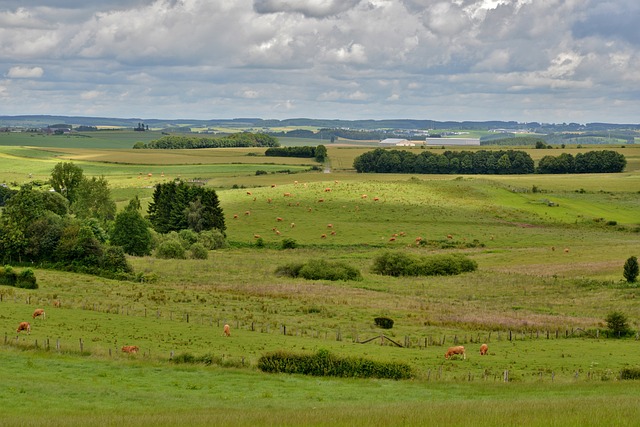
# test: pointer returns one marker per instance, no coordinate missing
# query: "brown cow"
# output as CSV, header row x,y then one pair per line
x,y
226,331
56,303
39,312
484,349
455,350
131,349
24,326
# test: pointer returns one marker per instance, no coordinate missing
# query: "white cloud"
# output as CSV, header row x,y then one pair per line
x,y
19,72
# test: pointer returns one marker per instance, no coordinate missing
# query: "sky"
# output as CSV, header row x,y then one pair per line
x,y
550,61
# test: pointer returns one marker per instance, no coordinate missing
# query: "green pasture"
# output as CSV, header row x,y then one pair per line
x,y
550,252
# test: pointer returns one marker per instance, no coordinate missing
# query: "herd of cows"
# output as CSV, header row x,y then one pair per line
x,y
459,350
130,349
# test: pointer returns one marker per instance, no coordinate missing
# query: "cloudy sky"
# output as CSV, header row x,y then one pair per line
x,y
525,60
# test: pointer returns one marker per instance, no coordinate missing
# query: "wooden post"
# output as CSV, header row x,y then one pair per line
x,y
109,351
506,375
284,329
5,338
187,317
429,375
58,344
509,334
81,345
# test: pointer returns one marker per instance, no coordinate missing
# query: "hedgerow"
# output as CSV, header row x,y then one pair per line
x,y
324,363
320,270
401,264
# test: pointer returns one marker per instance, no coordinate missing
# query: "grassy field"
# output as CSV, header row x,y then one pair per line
x,y
550,270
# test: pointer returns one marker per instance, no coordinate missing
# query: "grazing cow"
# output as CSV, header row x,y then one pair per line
x,y
449,236
131,349
329,225
56,303
24,326
293,224
375,199
273,186
566,250
483,349
279,219
39,312
364,196
226,331
247,213
256,236
269,200
324,236
248,193
287,195
327,190
235,216
333,233
393,239
455,350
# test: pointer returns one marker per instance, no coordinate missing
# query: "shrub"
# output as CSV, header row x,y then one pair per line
x,y
198,251
26,279
325,270
289,270
259,242
187,237
383,322
401,264
170,249
212,239
630,374
631,269
8,276
260,171
114,259
617,324
289,244
324,363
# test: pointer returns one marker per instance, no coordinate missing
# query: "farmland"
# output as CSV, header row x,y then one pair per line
x,y
540,308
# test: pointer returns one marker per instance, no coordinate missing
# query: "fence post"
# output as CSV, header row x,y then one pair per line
x,y
506,375
81,345
58,344
509,334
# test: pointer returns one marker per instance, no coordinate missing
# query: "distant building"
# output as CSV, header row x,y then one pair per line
x,y
452,141
396,142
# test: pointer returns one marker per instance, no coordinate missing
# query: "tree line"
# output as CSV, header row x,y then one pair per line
x,y
427,162
486,162
319,153
76,226
242,139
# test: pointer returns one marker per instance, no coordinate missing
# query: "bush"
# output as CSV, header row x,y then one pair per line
x,y
631,269
324,363
617,324
289,270
401,264
289,244
198,251
114,259
187,237
383,322
630,374
170,249
8,276
259,242
212,239
26,280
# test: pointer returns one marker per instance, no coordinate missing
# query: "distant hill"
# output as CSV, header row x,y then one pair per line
x,y
257,124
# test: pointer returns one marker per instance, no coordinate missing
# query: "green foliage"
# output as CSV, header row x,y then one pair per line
x,y
617,324
288,244
171,249
304,152
93,200
260,242
187,237
241,139
630,374
631,269
320,269
115,260
401,264
383,322
66,178
198,251
212,239
131,231
8,276
178,206
323,363
206,360
27,279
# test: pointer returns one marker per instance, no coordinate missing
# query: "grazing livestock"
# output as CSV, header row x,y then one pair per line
x,y
131,349
269,200
418,239
56,303
483,349
449,236
364,196
393,239
273,186
455,350
287,194
247,213
375,199
279,219
324,236
333,233
293,224
226,331
248,193
256,236
39,312
327,190
24,326
566,250
320,200
235,216
329,225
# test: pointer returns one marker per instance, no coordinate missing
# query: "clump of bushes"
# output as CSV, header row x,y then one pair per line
x,y
207,360
618,325
289,244
320,270
630,374
171,249
26,279
383,322
198,251
401,264
324,363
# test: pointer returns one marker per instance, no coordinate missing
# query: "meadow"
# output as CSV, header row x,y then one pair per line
x,y
550,270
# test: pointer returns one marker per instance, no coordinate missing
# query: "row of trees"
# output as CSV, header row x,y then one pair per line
x,y
76,226
468,162
242,139
605,161
486,162
319,152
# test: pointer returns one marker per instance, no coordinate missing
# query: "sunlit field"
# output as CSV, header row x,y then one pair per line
x,y
550,251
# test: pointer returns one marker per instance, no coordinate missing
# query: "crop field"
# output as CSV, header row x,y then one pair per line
x,y
550,252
